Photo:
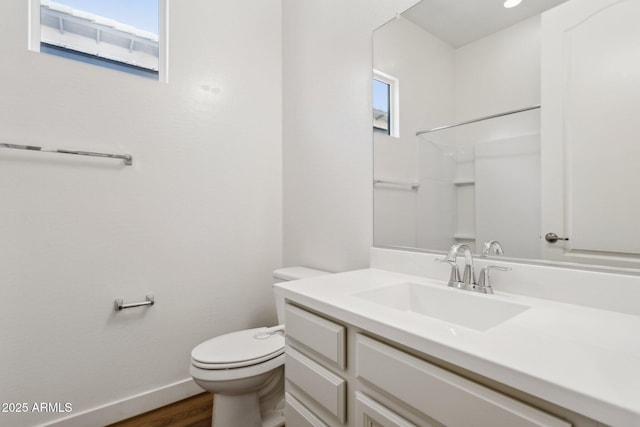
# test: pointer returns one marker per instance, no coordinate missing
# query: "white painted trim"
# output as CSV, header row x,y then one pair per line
x,y
131,406
163,38
33,40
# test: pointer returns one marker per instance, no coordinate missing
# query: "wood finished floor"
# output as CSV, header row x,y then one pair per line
x,y
196,411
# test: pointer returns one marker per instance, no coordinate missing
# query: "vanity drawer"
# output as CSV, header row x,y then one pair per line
x,y
442,395
298,415
318,334
320,384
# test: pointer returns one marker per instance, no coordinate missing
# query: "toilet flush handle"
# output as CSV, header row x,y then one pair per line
x,y
265,333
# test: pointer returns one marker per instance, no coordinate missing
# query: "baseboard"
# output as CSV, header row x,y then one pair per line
x,y
129,407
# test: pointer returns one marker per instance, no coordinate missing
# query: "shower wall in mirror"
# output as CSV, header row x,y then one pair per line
x,y
457,61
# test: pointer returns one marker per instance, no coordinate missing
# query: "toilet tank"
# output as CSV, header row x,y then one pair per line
x,y
292,273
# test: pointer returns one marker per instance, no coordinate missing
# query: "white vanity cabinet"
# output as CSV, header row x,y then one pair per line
x,y
338,374
314,369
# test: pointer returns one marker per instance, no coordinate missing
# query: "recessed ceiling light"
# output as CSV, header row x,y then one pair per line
x,y
511,3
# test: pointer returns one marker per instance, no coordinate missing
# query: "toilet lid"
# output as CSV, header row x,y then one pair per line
x,y
238,349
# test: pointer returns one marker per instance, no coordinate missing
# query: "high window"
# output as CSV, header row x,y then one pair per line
x,y
118,34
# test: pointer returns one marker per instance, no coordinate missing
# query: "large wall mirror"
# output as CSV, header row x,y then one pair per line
x,y
512,124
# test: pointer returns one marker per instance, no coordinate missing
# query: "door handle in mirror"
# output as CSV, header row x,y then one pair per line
x,y
553,237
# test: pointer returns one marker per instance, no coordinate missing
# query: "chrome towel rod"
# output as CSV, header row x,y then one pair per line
x,y
128,160
120,305
480,119
409,185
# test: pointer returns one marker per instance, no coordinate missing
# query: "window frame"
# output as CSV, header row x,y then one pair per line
x,y
34,41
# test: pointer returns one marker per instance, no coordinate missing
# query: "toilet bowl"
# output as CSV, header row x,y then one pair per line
x,y
245,373
245,369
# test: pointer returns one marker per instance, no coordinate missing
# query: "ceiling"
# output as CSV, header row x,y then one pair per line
x,y
459,22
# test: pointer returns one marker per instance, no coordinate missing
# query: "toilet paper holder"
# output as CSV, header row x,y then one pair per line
x,y
120,305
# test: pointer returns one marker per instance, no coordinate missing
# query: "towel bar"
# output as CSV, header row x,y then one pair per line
x,y
120,305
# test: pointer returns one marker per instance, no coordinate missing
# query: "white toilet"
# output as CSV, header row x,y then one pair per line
x,y
244,369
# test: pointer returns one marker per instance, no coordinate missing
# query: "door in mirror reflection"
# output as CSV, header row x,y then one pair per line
x,y
590,88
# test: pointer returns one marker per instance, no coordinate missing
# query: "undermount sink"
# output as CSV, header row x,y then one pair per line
x,y
462,308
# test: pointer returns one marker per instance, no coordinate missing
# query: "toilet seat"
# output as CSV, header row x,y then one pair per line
x,y
238,350
236,374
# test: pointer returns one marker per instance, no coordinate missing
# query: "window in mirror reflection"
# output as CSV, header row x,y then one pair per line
x,y
381,106
385,105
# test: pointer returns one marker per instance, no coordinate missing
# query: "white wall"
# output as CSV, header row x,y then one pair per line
x,y
327,75
196,220
499,72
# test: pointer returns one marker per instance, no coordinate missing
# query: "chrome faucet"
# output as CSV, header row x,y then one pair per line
x,y
468,277
492,247
468,281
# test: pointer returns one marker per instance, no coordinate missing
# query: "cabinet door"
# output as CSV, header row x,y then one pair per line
x,y
590,128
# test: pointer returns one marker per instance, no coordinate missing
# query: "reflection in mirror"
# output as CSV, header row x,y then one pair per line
x,y
504,178
494,166
381,94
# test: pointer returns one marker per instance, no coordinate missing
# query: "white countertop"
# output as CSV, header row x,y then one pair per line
x,y
580,358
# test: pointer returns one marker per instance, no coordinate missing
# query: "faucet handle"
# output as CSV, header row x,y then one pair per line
x,y
454,277
484,283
